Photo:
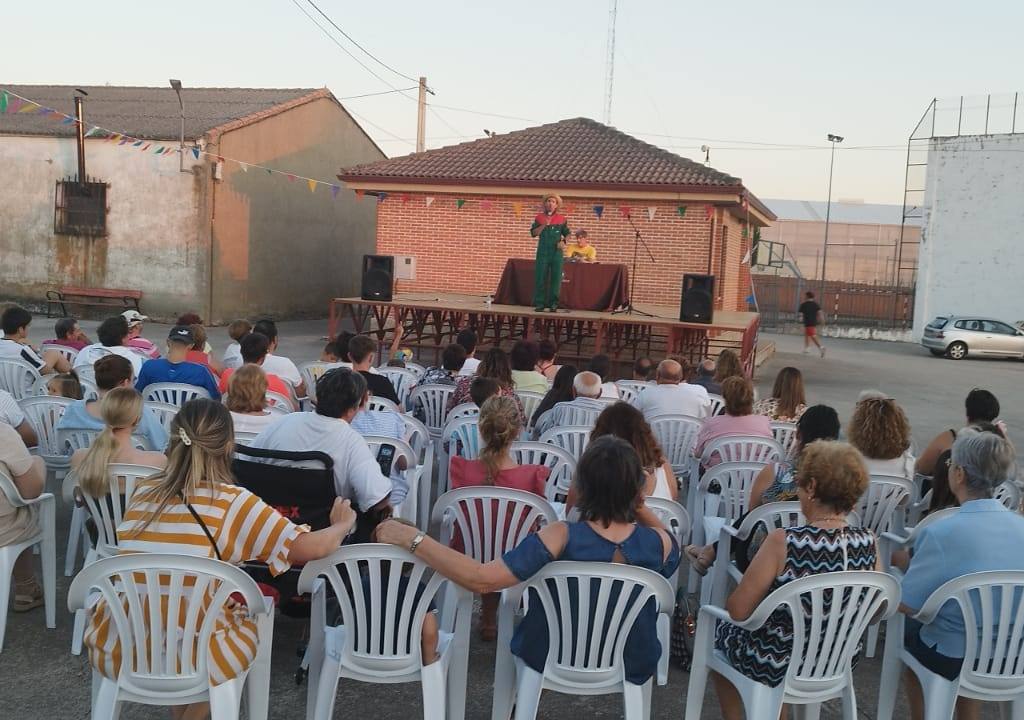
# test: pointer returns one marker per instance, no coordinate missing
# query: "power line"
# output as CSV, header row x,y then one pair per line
x,y
485,114
374,94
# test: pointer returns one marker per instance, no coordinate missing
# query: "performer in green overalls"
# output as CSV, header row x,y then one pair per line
x,y
550,228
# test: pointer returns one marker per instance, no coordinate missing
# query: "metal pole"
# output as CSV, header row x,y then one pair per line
x,y
176,86
421,117
80,138
828,216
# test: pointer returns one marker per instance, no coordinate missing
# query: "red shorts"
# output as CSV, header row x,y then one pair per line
x,y
810,331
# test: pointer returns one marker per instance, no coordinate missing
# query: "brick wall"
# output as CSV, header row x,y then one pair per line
x,y
463,250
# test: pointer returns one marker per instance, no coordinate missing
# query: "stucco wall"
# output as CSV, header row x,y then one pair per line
x,y
156,241
279,249
970,259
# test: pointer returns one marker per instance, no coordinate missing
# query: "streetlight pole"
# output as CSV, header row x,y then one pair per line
x,y
828,209
176,84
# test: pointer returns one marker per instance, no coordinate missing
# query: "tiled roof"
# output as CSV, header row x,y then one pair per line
x,y
150,113
578,153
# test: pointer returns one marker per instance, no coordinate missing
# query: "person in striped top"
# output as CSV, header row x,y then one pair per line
x,y
193,507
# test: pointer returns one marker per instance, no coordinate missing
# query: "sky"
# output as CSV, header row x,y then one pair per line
x,y
760,83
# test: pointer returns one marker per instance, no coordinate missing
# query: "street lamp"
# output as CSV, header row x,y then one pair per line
x,y
176,84
828,209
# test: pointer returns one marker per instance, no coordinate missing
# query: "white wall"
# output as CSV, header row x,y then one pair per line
x,y
970,259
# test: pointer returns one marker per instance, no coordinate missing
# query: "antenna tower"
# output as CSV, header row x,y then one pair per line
x,y
609,68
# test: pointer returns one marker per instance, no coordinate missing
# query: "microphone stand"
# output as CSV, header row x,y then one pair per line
x,y
638,240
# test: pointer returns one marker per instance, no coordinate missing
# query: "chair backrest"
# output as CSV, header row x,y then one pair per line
x,y
71,440
717,402
673,516
108,511
676,434
629,390
1009,494
165,413
560,461
530,400
384,594
173,393
160,657
881,505
418,436
585,647
466,409
735,481
573,414
416,369
785,435
280,402
379,404
68,352
993,604
44,413
300,485
402,379
491,520
243,437
312,371
434,401
17,377
743,448
89,389
571,438
463,437
87,372
402,448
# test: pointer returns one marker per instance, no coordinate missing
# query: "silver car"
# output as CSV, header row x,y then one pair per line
x,y
959,335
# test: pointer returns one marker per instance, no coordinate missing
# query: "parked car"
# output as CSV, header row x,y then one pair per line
x,y
959,335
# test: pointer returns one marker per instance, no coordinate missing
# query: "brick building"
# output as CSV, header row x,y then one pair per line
x,y
461,211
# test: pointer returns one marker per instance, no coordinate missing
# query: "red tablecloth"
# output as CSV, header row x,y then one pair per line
x,y
585,286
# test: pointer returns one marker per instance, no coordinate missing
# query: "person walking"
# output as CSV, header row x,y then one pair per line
x,y
550,228
811,314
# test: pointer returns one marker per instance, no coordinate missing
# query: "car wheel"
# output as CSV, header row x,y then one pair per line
x,y
937,353
957,351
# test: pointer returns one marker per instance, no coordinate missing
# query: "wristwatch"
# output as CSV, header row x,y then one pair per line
x,y
416,542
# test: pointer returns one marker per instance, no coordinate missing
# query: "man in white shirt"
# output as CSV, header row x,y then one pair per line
x,y
602,366
14,344
340,393
278,364
11,414
586,389
467,339
672,394
238,329
111,335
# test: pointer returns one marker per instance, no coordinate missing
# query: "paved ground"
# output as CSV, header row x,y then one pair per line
x,y
40,679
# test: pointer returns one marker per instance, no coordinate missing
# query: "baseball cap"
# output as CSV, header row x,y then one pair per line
x,y
134,317
182,334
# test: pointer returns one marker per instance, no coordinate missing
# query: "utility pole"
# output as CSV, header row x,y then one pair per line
x,y
828,209
421,117
609,69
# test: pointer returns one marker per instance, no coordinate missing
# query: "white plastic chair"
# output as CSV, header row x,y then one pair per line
x,y
466,409
245,438
585,651
88,372
462,436
571,438
44,412
676,434
677,521
434,401
587,417
408,509
416,369
280,402
380,404
717,402
402,379
561,463
530,401
824,642
45,538
173,393
165,413
17,377
785,435
68,352
629,390
379,638
743,448
418,436
993,668
313,371
1009,494
164,670
884,504
89,389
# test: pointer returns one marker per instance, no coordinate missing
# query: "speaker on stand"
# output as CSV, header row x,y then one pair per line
x,y
378,277
698,299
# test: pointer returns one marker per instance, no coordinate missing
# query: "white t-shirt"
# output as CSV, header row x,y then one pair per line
x,y
682,398
10,411
902,466
244,422
233,356
11,350
91,353
283,368
357,474
470,367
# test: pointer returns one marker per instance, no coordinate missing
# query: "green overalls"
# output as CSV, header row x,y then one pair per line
x,y
547,276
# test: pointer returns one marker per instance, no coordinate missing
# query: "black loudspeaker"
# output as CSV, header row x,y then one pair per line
x,y
378,277
697,303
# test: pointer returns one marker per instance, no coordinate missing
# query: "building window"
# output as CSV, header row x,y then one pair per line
x,y
80,208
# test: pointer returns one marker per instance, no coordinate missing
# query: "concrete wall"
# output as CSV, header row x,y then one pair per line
x,y
970,258
280,249
156,242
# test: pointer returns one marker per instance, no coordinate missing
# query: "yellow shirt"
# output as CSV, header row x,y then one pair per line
x,y
588,253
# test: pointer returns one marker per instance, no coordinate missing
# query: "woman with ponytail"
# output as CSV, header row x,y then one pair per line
x,y
193,507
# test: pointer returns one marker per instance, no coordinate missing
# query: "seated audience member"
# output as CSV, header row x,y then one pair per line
x,y
11,414
481,389
340,394
601,365
643,369
341,345
362,351
787,402
561,391
981,406
69,334
728,366
546,352
112,371
981,536
453,357
198,480
330,353
738,419
467,339
17,524
942,494
278,364
706,377
237,330
134,340
586,389
612,528
199,356
626,422
500,426
66,385
254,348
190,319
388,424
830,479
175,368
14,343
672,394
496,366
525,377
880,430
111,334
247,400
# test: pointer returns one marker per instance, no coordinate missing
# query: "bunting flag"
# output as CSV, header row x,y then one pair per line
x,y
14,105
568,209
625,210
195,152
359,194
681,209
137,143
92,131
312,185
599,211
334,191
381,197
291,177
244,167
651,209
160,150
145,147
3,102
68,120
709,211
517,209
429,200
486,205
405,198
459,202
28,107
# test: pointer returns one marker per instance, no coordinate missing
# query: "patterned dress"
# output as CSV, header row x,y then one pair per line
x,y
763,654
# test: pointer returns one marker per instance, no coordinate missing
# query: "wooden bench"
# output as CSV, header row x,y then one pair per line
x,y
92,297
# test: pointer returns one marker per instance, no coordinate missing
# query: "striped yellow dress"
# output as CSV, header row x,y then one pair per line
x,y
244,528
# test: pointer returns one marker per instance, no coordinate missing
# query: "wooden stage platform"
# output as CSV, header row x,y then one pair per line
x,y
431,321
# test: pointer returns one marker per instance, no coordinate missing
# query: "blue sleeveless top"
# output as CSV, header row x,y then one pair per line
x,y
642,548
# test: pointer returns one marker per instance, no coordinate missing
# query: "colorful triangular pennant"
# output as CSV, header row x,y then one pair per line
x,y
290,176
195,153
625,210
651,209
94,130
381,197
359,194
681,209
334,191
429,200
3,102
486,204
312,185
459,202
517,209
599,211
28,107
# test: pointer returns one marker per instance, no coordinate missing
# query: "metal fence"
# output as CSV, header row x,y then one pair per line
x,y
882,307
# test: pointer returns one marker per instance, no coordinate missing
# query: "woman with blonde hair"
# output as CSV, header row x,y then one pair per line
x,y
193,507
728,366
200,352
787,402
880,430
247,399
